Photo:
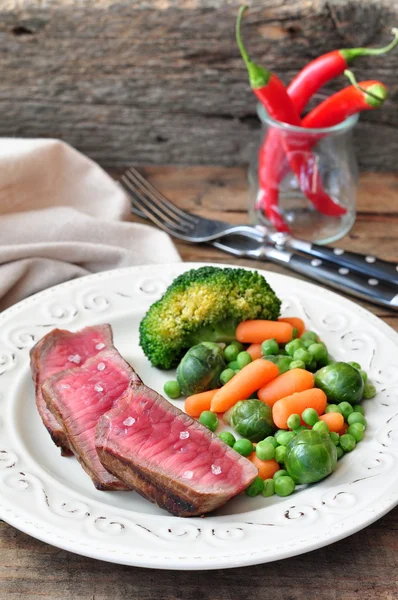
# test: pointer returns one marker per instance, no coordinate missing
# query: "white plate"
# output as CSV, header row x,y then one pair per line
x,y
52,499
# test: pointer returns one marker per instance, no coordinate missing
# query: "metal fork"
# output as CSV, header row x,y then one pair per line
x,y
177,222
147,201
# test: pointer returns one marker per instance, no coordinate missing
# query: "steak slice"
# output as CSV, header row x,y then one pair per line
x,y
78,397
169,458
57,351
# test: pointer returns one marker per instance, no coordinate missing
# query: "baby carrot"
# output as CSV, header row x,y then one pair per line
x,y
343,430
258,330
296,380
335,421
296,404
266,468
255,351
246,381
294,322
197,403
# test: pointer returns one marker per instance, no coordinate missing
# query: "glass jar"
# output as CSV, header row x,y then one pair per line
x,y
311,177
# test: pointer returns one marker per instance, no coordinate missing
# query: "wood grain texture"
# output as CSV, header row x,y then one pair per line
x,y
161,81
364,566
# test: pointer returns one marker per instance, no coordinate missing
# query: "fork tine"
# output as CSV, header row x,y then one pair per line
x,y
158,206
143,196
152,210
147,213
144,185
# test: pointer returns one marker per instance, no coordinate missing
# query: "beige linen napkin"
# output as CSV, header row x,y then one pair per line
x,y
61,217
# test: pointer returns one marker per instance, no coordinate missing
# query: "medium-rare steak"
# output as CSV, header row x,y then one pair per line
x,y
79,396
168,457
57,351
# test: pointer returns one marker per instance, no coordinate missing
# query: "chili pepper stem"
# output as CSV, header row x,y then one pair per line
x,y
350,53
258,76
375,94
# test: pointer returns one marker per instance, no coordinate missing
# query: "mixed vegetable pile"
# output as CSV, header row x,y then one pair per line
x,y
293,410
286,105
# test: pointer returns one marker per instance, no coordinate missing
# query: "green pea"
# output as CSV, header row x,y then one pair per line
x,y
280,452
272,441
310,416
265,450
172,389
369,391
284,486
357,431
356,417
347,442
294,421
209,420
237,345
302,354
309,335
333,408
226,375
228,438
359,408
243,447
321,426
269,488
297,364
346,409
335,438
319,352
364,375
292,346
284,437
300,428
231,352
255,488
355,365
340,452
269,347
233,365
243,359
280,473
308,343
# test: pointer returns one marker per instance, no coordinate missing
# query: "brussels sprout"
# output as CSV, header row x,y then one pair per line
x,y
341,383
281,361
310,456
200,368
252,419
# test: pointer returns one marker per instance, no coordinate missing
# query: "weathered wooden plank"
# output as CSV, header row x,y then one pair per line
x,y
161,81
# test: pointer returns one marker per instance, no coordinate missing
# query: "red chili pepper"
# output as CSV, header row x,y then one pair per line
x,y
365,95
268,88
326,67
271,92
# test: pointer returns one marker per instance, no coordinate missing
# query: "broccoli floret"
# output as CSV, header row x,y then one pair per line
x,y
204,304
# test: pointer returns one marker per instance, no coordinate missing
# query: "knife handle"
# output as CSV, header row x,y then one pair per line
x,y
371,266
357,284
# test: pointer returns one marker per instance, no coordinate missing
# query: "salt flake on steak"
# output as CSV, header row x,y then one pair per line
x,y
75,358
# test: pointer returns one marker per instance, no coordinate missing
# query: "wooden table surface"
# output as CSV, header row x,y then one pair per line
x,y
361,567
